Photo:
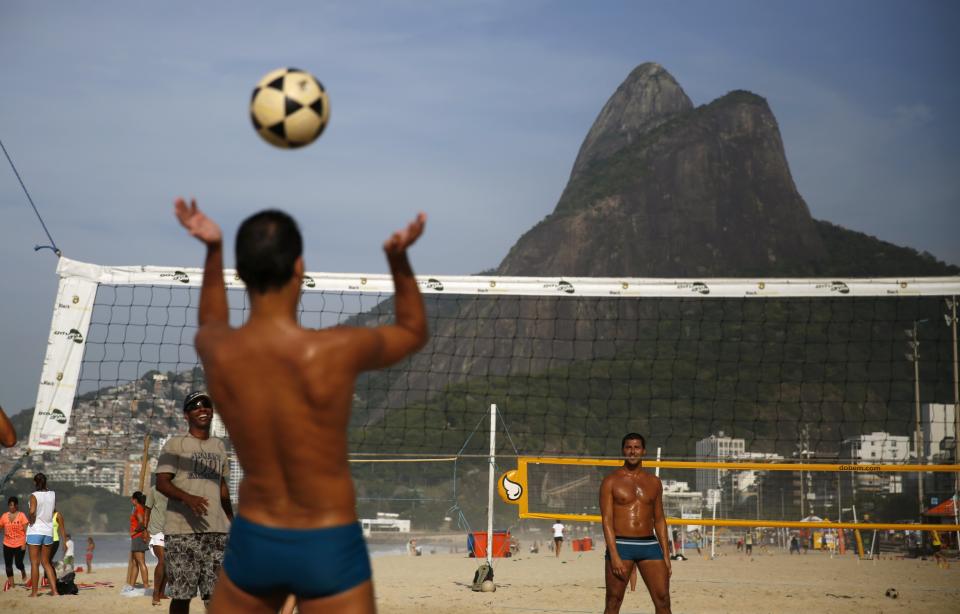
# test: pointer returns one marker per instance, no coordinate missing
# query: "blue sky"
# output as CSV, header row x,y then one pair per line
x,y
470,111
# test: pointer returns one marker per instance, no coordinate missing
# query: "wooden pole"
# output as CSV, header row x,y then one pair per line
x,y
143,462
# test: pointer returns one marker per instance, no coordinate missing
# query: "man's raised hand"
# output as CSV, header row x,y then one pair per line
x,y
402,239
197,222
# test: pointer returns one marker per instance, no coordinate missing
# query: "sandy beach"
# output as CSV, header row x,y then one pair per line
x,y
776,583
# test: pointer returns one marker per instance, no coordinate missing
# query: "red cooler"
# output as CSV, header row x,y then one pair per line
x,y
501,544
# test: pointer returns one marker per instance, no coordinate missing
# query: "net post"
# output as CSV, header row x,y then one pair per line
x,y
143,461
952,304
492,481
713,531
956,516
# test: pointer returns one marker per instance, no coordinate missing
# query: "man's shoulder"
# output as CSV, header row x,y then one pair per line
x,y
616,474
214,332
610,480
173,441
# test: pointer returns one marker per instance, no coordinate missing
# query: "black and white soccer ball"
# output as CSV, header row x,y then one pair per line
x,y
892,593
289,108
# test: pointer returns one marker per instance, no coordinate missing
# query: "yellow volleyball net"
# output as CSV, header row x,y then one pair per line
x,y
568,489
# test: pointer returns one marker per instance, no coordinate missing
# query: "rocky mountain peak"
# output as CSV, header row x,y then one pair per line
x,y
647,98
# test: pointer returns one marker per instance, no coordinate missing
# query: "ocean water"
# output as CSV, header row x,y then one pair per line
x,y
113,550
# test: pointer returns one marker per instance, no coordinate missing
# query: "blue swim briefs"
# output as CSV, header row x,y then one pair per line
x,y
308,563
645,548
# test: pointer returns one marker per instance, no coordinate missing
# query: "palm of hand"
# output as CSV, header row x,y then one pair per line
x,y
197,222
401,240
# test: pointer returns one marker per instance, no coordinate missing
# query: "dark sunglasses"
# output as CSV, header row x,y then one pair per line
x,y
198,404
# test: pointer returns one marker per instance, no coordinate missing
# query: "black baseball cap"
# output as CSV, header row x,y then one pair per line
x,y
193,397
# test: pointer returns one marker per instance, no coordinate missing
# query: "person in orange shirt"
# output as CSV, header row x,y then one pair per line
x,y
14,524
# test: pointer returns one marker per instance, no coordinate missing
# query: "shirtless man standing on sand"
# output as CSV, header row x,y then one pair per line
x,y
634,528
284,395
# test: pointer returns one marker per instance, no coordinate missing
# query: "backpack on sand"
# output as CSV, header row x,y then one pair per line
x,y
66,585
484,573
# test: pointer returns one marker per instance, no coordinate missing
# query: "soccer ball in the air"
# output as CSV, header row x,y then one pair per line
x,y
892,593
289,108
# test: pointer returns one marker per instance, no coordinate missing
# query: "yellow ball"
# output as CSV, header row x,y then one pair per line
x,y
289,108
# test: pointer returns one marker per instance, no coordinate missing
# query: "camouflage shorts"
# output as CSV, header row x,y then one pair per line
x,y
193,562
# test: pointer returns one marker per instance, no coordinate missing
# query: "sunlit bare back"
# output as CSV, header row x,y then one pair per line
x,y
284,394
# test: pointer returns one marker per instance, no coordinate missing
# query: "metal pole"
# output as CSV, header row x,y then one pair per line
x,y
683,532
956,515
802,513
492,480
839,501
713,529
758,497
952,303
856,535
143,462
916,395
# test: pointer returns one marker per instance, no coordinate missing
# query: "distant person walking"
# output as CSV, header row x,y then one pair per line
x,y
936,544
695,536
58,532
14,524
748,543
40,534
138,542
91,546
794,545
156,516
68,551
558,530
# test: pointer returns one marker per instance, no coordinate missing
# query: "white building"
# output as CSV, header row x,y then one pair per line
x,y
877,448
102,474
937,421
384,523
679,499
745,482
716,448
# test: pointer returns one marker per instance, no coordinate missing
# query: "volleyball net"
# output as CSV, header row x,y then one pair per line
x,y
824,373
743,494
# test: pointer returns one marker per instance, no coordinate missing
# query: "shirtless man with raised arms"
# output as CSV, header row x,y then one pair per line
x,y
284,395
634,528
